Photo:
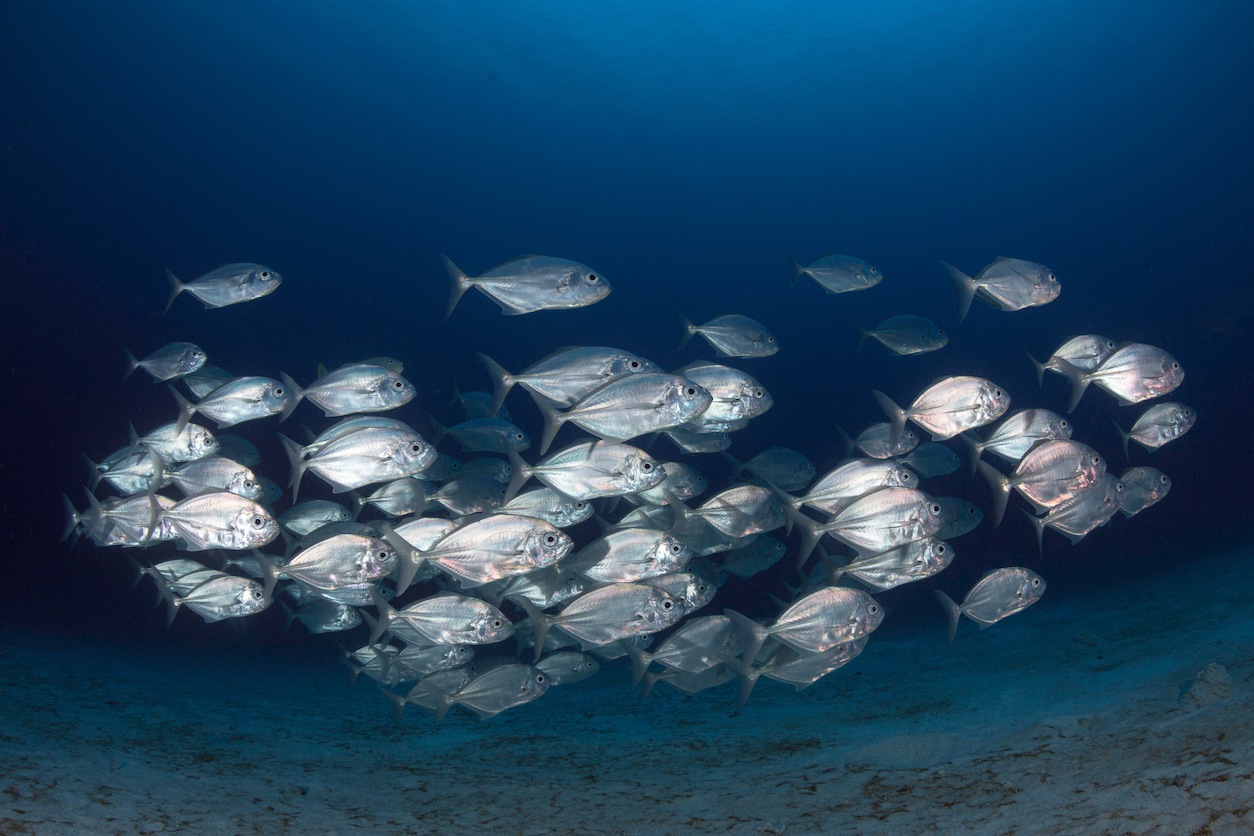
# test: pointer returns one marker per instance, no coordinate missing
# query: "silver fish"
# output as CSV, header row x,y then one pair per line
x,y
239,400
373,454
1157,425
734,394
877,441
1085,352
1019,433
906,334
1143,486
609,613
1135,372
948,407
223,596
629,407
799,668
498,546
758,556
531,283
220,520
311,515
342,560
691,441
682,480
230,284
783,467
474,493
568,666
881,521
1010,284
1082,513
630,555
958,517
397,498
484,435
238,449
1050,473
168,362
175,445
205,379
323,616
215,473
998,594
444,618
568,374
738,511
931,460
548,504
490,693
590,470
698,645
821,620
906,563
351,389
839,273
733,335
849,482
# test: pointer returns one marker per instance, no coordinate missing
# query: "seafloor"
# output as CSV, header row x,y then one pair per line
x,y
1066,718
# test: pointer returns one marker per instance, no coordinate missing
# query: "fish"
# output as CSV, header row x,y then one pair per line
x,y
341,560
758,556
590,470
351,389
311,515
876,441
499,546
734,394
484,435
322,616
609,613
547,504
220,597
176,445
682,480
567,667
473,493
236,401
445,618
220,520
931,460
698,645
783,467
1157,425
958,517
948,407
629,407
799,668
998,594
1018,433
397,498
838,273
841,487
359,458
168,362
819,621
531,283
205,379
1010,284
903,564
215,473
1143,486
1051,472
879,521
1079,515
906,334
1085,352
229,284
732,335
630,555
495,691
567,375
1135,372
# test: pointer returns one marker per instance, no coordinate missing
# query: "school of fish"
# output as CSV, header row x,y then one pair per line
x,y
466,573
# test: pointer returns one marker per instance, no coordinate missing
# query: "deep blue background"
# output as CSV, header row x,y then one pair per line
x,y
681,151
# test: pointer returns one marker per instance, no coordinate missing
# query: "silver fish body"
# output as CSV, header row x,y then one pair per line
x,y
221,520
906,334
733,335
1000,593
1135,372
351,389
168,362
630,555
241,399
230,284
1050,473
1159,424
1010,284
1143,486
363,457
906,563
948,407
839,273
630,407
531,283
567,375
592,469
499,546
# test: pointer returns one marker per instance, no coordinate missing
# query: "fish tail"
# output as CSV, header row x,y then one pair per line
x,y
553,420
186,411
862,335
459,284
269,571
974,446
1038,524
539,626
966,288
176,287
639,662
295,458
295,395
797,270
502,382
398,703
896,415
650,679
72,518
1000,487
749,677
738,466
1123,437
1079,382
688,328
131,364
384,621
755,635
444,701
846,440
133,438
1040,369
952,611
438,430
289,615
93,469
521,473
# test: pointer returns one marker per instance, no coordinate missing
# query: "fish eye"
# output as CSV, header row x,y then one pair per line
x,y
539,678
278,391
382,555
996,393
905,476
257,595
633,364
761,393
935,509
647,467
1062,425
769,338
265,274
676,548
593,278
550,539
249,485
668,604
519,436
398,384
416,447
258,521
580,505
496,624
1036,582
1175,367
873,609
691,391
940,548
1162,480
1097,460
1110,343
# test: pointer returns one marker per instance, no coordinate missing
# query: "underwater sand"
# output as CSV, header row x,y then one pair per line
x,y
1063,719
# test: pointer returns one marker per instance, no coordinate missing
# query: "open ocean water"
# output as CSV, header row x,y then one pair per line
x,y
685,150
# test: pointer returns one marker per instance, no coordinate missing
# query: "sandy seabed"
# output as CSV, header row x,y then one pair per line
x,y
1066,718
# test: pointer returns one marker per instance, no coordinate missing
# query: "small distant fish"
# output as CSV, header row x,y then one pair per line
x,y
567,375
732,335
838,273
230,284
168,362
1078,516
784,468
906,334
1010,284
1157,425
998,594
876,441
931,460
531,283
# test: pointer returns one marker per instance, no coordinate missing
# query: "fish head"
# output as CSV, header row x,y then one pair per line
x,y
669,554
937,338
413,454
1058,427
1171,376
393,390
536,683
581,285
253,527
685,400
250,599
658,611
377,560
545,544
698,592
260,280
908,441
624,363
1045,286
191,360
1031,590
244,483
199,442
641,472
994,401
755,400
491,626
900,476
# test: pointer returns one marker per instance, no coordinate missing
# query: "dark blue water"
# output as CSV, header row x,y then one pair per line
x,y
681,151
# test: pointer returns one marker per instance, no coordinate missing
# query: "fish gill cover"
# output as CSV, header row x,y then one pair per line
x,y
809,171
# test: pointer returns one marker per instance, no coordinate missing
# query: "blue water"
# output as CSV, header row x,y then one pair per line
x,y
683,152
